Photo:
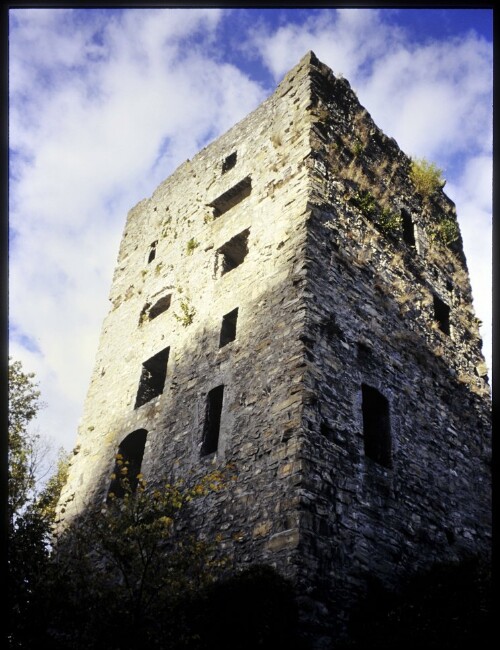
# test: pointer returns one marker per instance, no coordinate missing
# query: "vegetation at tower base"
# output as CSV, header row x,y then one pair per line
x,y
132,574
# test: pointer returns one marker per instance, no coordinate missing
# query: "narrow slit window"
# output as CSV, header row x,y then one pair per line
x,y
152,252
442,315
211,427
128,464
152,381
408,228
233,252
376,426
229,162
228,329
232,197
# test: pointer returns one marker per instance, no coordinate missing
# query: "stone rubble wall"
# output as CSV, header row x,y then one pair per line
x,y
330,296
370,320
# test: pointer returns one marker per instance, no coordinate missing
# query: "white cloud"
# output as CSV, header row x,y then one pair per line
x,y
89,112
344,39
435,98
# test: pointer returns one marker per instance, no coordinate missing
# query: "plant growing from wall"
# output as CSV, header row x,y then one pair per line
x,y
366,202
446,231
358,148
191,246
187,315
389,221
426,176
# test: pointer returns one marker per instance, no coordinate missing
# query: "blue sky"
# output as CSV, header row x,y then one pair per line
x,y
105,104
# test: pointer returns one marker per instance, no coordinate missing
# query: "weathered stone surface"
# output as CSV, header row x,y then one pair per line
x,y
329,299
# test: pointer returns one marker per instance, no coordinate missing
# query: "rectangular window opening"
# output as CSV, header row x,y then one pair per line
x,y
152,381
228,329
408,228
376,426
161,305
229,162
442,315
212,421
232,197
233,252
152,252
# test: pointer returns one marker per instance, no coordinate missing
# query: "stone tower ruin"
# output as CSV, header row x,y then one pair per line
x,y
292,302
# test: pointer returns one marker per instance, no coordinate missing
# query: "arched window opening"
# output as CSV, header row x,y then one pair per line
x,y
128,464
152,252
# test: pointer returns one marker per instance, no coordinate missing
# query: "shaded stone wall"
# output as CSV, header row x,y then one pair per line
x,y
337,269
371,320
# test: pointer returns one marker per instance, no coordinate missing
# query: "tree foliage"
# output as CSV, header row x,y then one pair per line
x,y
30,512
119,572
24,403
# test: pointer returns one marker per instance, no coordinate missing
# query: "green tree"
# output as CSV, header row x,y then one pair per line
x,y
121,572
31,513
24,403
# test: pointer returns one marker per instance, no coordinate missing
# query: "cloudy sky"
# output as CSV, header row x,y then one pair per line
x,y
105,104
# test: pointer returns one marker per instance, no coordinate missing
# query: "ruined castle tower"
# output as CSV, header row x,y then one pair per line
x,y
292,302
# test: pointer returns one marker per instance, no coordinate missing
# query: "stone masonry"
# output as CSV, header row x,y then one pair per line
x,y
286,302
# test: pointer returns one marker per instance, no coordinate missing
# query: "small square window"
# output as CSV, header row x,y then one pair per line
x,y
161,305
149,312
229,162
233,252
